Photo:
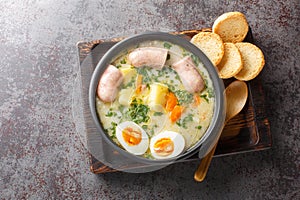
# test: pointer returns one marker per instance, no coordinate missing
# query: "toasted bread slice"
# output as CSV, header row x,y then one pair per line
x,y
253,61
211,44
231,26
231,62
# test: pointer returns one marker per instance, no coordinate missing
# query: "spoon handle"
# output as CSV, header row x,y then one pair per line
x,y
201,172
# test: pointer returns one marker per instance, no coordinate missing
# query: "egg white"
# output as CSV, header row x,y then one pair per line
x,y
138,149
178,140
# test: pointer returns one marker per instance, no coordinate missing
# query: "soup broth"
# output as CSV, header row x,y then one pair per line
x,y
158,101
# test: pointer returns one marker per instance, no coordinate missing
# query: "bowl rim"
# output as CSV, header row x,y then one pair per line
x,y
213,132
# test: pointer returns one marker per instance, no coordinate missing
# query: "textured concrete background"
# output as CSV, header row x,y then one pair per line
x,y
41,153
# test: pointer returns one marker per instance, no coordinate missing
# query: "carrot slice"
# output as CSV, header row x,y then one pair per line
x,y
197,99
176,113
171,101
138,84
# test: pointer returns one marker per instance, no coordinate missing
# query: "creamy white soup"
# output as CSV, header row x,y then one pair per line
x,y
156,100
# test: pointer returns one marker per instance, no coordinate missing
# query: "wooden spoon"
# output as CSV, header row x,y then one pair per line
x,y
236,97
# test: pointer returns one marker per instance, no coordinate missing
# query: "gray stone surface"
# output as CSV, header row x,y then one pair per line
x,y
41,154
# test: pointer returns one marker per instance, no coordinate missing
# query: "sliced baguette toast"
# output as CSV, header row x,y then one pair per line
x,y
231,26
231,62
211,44
253,61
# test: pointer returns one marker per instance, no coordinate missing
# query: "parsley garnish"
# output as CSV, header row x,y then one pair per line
x,y
146,76
167,45
184,121
204,96
138,112
113,129
195,59
158,114
198,127
123,61
110,113
184,96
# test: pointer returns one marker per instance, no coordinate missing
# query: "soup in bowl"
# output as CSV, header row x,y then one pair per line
x,y
157,98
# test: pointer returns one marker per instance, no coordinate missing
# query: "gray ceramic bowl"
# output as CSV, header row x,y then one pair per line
x,y
205,144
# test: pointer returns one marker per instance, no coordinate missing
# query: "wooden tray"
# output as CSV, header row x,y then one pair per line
x,y
250,127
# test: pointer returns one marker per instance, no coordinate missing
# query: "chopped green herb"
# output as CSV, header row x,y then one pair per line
x,y
167,45
113,129
123,61
210,92
161,72
138,112
184,97
185,54
198,127
171,87
177,77
145,127
158,114
152,132
205,80
148,155
110,113
146,76
195,59
183,122
204,96
187,119
168,69
155,78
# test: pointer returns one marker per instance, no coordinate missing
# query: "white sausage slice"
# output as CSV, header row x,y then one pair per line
x,y
148,56
109,82
189,75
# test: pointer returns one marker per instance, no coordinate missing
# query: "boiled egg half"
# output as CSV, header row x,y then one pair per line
x,y
132,137
166,144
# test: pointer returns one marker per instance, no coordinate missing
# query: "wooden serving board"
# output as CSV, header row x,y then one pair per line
x,y
250,129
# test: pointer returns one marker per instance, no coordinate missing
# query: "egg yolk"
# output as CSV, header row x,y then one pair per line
x,y
131,137
164,146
